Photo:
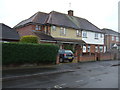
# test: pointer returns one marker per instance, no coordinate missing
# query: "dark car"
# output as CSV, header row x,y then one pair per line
x,y
65,55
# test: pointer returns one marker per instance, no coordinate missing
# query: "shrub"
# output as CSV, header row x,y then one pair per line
x,y
69,47
21,53
29,39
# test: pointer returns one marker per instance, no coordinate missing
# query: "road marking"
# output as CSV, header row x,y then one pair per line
x,y
79,81
63,84
57,86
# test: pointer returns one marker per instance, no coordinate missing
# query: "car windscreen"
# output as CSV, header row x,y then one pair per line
x,y
68,51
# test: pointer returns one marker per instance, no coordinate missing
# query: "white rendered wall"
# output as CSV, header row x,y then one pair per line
x,y
91,38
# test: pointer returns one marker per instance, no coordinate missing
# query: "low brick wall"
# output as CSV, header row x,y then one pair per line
x,y
87,58
106,56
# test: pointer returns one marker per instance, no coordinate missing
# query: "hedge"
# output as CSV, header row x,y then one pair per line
x,y
21,53
29,39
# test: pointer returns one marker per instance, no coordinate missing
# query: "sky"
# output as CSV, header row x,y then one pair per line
x,y
102,13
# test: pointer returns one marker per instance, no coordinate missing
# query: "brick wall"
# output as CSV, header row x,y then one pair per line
x,y
27,30
92,49
106,56
87,58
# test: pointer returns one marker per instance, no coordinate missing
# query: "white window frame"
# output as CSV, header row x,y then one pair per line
x,y
78,33
117,39
37,27
88,48
84,34
113,38
84,48
62,31
101,35
96,48
101,48
40,28
96,35
54,28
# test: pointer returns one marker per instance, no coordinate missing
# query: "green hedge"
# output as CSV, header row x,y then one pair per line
x,y
21,53
29,39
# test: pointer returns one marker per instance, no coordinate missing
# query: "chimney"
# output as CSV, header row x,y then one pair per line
x,y
70,12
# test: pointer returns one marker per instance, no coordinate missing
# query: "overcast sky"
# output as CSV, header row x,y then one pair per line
x,y
102,13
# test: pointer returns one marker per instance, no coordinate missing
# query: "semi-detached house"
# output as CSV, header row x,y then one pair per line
x,y
112,39
64,30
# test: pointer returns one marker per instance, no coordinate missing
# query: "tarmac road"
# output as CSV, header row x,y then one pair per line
x,y
100,74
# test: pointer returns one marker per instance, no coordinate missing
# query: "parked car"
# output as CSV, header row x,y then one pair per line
x,y
65,55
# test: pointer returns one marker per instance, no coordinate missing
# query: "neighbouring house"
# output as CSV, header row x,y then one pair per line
x,y
112,39
8,34
64,30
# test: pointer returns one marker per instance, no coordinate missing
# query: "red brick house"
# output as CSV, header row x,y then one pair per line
x,y
112,39
64,29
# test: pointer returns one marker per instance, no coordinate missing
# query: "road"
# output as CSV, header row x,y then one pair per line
x,y
100,74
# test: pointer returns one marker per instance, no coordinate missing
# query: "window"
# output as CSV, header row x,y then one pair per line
x,y
84,34
37,27
84,48
53,27
117,39
62,31
101,48
96,48
101,35
113,38
88,48
78,33
96,35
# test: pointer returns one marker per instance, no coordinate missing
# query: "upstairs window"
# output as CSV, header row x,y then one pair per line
x,y
101,35
37,27
78,33
84,34
54,28
62,31
113,38
117,39
96,35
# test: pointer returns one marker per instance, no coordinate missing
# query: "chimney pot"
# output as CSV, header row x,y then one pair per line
x,y
70,12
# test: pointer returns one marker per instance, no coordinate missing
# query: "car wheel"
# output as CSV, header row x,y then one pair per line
x,y
61,60
70,60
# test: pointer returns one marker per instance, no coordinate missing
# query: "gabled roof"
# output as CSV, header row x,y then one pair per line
x,y
60,19
39,18
110,32
8,32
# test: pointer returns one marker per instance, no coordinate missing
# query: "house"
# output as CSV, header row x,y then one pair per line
x,y
8,34
112,39
64,30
